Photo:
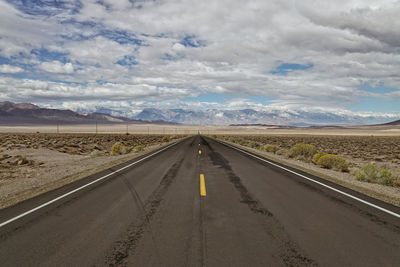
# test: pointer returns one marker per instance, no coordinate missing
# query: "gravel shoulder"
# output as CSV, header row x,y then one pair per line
x,y
387,194
51,169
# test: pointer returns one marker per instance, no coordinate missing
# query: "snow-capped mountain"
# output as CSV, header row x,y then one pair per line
x,y
269,117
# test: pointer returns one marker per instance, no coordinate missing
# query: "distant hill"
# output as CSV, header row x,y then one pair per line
x,y
260,125
393,123
26,113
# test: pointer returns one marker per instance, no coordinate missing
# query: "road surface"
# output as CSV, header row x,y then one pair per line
x,y
217,207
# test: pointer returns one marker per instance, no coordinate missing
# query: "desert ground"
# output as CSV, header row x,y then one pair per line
x,y
32,163
35,159
203,129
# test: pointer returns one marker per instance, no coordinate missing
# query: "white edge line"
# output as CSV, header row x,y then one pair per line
x,y
80,188
312,180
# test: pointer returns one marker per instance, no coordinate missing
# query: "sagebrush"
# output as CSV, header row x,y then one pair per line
x,y
374,174
336,162
302,151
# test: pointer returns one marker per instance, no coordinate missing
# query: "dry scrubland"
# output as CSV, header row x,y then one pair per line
x,y
372,162
32,163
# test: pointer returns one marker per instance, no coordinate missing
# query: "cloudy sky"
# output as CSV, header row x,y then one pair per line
x,y
227,54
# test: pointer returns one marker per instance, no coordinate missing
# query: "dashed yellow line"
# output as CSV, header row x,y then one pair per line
x,y
202,186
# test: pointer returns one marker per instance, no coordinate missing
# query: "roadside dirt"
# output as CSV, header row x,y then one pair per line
x,y
33,164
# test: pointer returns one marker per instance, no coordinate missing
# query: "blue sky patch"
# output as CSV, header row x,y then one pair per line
x,y
46,55
221,98
378,90
191,41
46,8
376,104
127,61
121,37
284,68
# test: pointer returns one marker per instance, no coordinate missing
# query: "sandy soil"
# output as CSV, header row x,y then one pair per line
x,y
194,129
385,193
45,169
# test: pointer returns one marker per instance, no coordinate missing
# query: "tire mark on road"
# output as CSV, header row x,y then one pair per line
x,y
136,230
290,253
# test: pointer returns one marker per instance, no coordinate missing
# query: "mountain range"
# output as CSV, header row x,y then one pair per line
x,y
267,117
26,113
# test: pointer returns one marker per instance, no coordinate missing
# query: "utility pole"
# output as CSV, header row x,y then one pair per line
x,y
127,131
96,128
58,127
148,130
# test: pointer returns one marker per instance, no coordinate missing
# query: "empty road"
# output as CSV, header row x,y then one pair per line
x,y
213,207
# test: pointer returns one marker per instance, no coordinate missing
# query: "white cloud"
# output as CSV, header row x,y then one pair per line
x,y
235,46
10,69
57,67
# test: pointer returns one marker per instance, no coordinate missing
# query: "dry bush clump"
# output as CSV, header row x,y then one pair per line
x,y
302,151
374,174
336,162
138,148
271,148
253,144
96,153
120,149
317,156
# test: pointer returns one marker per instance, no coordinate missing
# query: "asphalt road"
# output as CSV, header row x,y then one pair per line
x,y
161,212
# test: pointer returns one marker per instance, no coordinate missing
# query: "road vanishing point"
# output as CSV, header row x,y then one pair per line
x,y
200,202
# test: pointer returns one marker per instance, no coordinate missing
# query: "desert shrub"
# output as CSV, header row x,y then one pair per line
x,y
253,144
165,139
120,149
271,148
138,148
96,153
241,141
281,152
330,161
302,151
317,156
375,174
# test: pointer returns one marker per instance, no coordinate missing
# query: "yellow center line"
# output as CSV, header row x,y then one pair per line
x,y
202,186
